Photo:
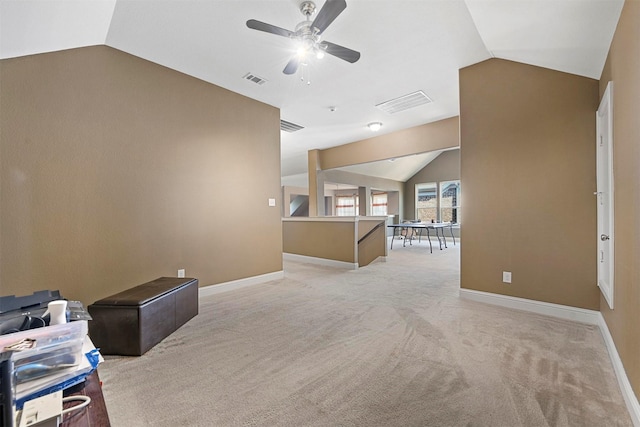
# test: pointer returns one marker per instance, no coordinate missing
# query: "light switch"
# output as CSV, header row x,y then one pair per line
x,y
272,202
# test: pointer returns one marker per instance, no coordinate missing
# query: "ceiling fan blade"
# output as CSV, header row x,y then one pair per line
x,y
268,28
341,52
292,66
330,11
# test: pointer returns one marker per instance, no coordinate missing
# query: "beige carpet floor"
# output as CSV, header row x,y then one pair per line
x,y
391,344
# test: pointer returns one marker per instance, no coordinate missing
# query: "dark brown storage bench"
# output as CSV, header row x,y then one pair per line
x,y
131,322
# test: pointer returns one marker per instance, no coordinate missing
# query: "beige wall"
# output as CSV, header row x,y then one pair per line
x,y
336,176
334,240
116,171
364,183
623,68
287,193
372,246
433,136
365,225
527,162
440,135
445,167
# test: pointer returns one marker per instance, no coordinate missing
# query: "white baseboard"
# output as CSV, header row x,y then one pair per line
x,y
240,283
591,317
549,309
320,261
625,386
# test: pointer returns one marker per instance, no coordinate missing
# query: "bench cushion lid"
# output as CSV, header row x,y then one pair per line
x,y
146,292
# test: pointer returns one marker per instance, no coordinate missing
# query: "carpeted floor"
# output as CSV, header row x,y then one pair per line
x,y
390,344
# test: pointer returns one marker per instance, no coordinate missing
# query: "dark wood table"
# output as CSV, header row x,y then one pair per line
x,y
95,414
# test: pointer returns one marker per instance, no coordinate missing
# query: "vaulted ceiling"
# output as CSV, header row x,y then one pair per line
x,y
405,45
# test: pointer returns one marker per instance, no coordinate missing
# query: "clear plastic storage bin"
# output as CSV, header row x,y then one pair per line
x,y
54,356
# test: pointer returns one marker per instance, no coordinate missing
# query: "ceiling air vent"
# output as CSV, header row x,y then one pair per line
x,y
289,127
253,78
404,102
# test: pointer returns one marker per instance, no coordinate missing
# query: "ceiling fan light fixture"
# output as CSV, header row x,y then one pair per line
x,y
308,34
374,126
308,8
320,50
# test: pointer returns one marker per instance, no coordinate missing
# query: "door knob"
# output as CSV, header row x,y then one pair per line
x,y
604,237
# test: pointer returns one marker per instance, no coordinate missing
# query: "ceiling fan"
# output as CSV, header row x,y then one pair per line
x,y
308,34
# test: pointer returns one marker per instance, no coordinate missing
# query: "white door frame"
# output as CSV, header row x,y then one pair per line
x,y
604,193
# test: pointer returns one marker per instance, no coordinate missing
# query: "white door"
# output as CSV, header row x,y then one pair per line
x,y
604,159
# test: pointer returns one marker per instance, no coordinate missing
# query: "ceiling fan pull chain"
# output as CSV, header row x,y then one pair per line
x,y
304,73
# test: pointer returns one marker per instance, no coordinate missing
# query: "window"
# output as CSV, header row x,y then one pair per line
x,y
450,201
438,201
347,205
427,202
379,204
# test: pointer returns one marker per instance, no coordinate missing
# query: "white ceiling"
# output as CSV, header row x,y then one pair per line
x,y
406,45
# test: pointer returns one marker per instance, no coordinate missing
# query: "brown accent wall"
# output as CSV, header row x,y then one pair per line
x,y
440,135
445,167
116,171
527,162
433,136
335,240
373,246
623,68
366,225
316,187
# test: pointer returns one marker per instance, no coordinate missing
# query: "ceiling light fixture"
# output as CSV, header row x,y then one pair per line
x,y
320,49
374,126
308,34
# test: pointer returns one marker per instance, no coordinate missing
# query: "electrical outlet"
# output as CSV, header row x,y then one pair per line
x,y
181,273
506,276
39,410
